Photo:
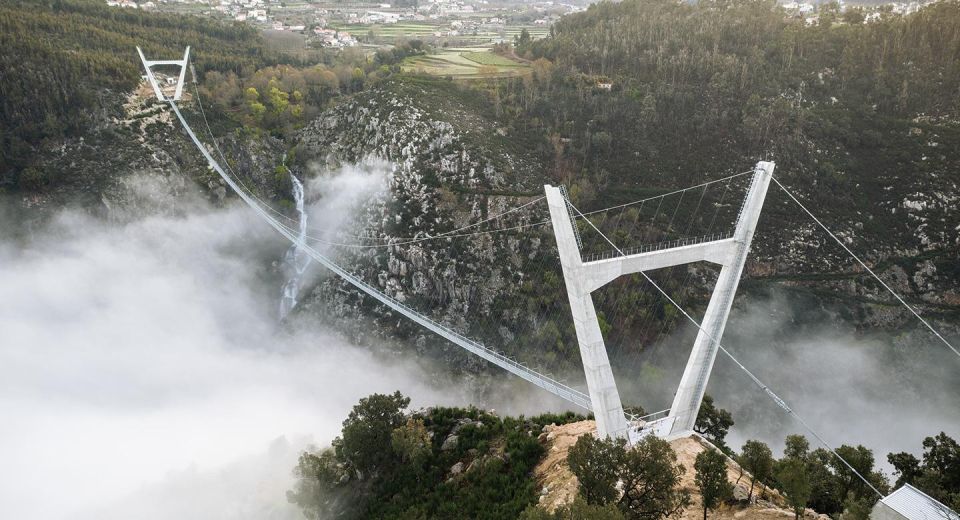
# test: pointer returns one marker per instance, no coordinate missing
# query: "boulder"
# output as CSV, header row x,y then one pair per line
x,y
450,443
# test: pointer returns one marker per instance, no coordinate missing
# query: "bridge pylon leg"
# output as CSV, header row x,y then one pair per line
x,y
604,396
693,383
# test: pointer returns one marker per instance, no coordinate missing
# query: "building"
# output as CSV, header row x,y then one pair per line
x,y
909,503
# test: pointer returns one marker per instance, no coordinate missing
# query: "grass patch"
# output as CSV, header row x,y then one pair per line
x,y
465,64
489,58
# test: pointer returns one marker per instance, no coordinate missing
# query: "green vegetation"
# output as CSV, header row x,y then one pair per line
x,y
439,463
280,99
578,510
794,482
69,63
756,458
937,473
58,56
391,462
692,90
713,423
647,472
711,479
594,462
635,98
818,479
488,58
388,33
465,64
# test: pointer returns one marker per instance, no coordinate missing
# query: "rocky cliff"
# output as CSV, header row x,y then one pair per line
x,y
454,166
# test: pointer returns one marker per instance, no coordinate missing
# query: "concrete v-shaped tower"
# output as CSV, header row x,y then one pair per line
x,y
582,278
147,64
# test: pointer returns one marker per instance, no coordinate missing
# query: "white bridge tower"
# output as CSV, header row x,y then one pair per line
x,y
582,278
157,89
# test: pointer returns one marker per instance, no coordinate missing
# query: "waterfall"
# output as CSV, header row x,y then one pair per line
x,y
295,261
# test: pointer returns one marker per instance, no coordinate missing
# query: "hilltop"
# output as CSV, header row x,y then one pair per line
x,y
560,486
394,462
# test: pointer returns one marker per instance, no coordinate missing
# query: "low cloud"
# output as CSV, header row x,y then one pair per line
x,y
143,374
878,388
883,390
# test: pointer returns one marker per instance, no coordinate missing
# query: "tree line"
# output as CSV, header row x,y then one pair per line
x,y
607,471
633,97
281,98
392,462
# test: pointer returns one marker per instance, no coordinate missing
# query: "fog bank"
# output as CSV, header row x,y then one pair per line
x,y
143,374
873,387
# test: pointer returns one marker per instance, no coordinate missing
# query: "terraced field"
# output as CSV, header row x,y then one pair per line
x,y
465,63
489,58
390,31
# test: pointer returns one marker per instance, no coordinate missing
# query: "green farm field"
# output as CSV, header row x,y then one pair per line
x,y
465,63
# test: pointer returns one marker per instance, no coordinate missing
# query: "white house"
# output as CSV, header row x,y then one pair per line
x,y
909,503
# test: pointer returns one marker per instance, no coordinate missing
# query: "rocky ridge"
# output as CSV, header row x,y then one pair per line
x,y
136,160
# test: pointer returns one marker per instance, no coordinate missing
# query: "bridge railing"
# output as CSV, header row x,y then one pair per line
x,y
646,248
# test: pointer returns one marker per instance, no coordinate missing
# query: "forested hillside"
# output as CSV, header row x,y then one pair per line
x,y
856,115
637,98
625,100
696,91
66,64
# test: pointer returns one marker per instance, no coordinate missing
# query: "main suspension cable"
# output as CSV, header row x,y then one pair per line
x,y
674,192
864,265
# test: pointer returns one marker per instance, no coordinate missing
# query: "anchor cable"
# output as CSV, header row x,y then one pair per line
x,y
864,265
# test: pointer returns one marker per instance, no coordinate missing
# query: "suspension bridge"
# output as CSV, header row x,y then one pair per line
x,y
584,273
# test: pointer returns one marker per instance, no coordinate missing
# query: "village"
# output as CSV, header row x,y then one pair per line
x,y
338,25
441,22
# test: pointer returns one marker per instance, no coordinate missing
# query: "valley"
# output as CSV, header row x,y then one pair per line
x,y
399,155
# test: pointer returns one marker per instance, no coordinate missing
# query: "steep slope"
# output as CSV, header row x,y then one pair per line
x,y
110,172
456,162
452,167
861,118
68,64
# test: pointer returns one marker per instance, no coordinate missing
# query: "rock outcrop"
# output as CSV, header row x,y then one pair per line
x,y
560,486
